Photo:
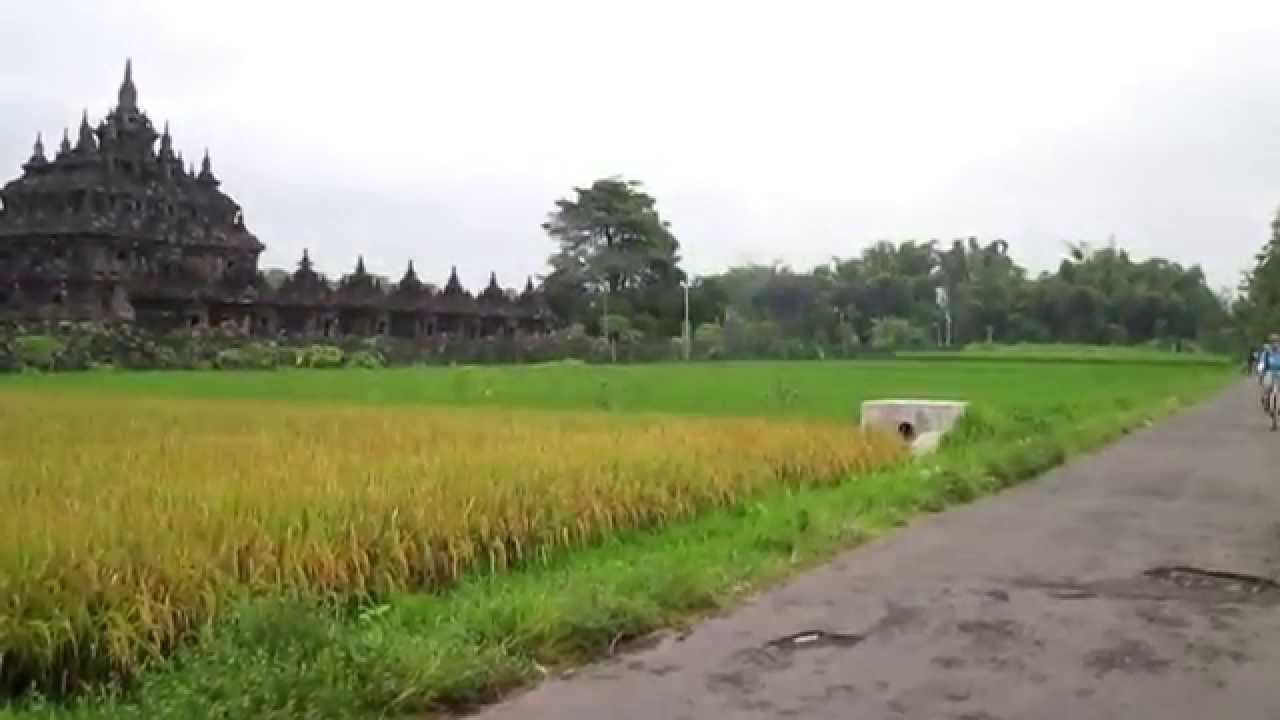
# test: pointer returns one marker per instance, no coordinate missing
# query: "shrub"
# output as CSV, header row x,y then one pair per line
x,y
977,424
262,355
370,359
1115,334
894,333
253,356
38,351
321,356
288,356
708,340
230,359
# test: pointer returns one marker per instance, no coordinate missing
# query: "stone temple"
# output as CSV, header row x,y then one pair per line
x,y
112,229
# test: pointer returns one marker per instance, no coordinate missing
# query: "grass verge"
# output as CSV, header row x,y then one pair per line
x,y
290,657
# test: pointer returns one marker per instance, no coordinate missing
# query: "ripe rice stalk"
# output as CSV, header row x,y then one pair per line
x,y
131,523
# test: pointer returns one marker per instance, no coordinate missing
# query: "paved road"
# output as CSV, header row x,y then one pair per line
x,y
1034,603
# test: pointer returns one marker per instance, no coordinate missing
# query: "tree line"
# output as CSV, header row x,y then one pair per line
x,y
616,272
1258,305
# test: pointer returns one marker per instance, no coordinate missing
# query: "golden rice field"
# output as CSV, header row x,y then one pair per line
x,y
131,521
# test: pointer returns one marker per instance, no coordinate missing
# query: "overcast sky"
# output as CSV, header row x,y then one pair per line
x,y
795,131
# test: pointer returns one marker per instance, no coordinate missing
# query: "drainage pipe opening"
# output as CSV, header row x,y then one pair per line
x,y
907,431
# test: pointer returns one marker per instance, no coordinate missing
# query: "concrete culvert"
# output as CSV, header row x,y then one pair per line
x,y
907,431
920,423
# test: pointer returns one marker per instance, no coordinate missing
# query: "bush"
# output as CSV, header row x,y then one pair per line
x,y
369,359
254,356
1114,334
894,333
230,359
262,355
287,356
83,346
38,351
321,356
708,340
978,423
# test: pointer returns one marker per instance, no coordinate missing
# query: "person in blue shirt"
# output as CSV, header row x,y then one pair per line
x,y
1269,367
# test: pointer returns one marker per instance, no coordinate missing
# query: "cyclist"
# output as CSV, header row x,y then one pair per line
x,y
1269,367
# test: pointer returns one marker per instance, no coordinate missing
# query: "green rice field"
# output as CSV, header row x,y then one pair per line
x,y
388,543
830,390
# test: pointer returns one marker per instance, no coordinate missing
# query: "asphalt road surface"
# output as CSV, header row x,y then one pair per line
x,y
1052,600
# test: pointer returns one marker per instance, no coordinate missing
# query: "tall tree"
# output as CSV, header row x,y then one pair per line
x,y
614,248
1097,295
1260,303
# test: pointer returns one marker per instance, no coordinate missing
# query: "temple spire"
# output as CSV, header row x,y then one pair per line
x,y
410,279
166,142
360,265
128,99
87,142
206,170
493,292
453,286
304,265
65,147
528,286
37,152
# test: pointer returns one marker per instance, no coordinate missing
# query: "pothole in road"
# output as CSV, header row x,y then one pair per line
x,y
1216,580
813,639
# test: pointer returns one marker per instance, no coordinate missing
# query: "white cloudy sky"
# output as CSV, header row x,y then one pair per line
x,y
444,131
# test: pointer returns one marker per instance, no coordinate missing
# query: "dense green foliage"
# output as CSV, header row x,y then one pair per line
x,y
616,264
1259,304
889,297
90,346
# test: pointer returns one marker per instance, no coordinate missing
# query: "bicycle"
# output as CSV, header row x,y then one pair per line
x,y
1271,403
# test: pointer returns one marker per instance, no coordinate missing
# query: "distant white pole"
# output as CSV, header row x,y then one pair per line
x,y
688,331
613,353
944,304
